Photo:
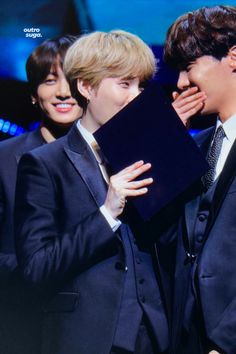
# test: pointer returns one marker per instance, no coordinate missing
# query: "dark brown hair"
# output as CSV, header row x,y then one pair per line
x,y
46,55
206,31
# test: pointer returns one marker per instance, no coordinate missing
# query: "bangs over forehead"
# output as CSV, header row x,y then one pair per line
x,y
45,60
114,54
46,57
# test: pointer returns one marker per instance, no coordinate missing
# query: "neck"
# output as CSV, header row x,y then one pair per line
x,y
224,116
51,131
89,122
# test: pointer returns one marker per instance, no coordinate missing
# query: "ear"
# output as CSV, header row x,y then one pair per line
x,y
34,100
84,89
232,57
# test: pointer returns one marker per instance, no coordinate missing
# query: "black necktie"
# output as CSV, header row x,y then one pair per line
x,y
213,156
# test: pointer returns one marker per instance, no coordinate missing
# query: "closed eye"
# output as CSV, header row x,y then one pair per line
x,y
50,79
125,83
189,66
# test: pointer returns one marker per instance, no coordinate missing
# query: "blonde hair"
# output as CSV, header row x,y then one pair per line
x,y
99,55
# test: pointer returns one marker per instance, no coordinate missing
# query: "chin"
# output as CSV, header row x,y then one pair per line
x,y
67,119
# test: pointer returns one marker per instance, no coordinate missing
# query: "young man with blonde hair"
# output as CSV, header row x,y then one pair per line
x,y
101,292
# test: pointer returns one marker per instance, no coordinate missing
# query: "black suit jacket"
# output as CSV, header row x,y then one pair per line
x,y
214,269
18,329
66,246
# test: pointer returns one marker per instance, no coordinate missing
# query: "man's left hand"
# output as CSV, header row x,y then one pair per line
x,y
188,103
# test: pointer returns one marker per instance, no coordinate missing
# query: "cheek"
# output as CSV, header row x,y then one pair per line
x,y
44,94
43,103
120,99
197,77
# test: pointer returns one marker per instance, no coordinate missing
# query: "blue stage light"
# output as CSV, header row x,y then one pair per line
x,y
8,127
194,131
13,129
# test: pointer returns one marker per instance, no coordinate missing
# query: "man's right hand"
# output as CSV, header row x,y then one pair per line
x,y
122,185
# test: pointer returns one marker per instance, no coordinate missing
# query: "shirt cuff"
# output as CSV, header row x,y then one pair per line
x,y
114,223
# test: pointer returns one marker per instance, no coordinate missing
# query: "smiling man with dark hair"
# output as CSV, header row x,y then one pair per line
x,y
202,46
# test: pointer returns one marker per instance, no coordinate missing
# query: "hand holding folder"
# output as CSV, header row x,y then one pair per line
x,y
149,129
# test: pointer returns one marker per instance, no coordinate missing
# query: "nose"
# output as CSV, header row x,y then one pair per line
x,y
183,81
63,91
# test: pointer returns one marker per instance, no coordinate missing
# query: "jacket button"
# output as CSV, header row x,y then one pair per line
x,y
200,238
202,217
141,281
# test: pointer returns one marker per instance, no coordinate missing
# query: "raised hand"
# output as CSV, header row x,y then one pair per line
x,y
122,185
188,103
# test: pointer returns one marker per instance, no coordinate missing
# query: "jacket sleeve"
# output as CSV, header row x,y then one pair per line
x,y
224,334
45,253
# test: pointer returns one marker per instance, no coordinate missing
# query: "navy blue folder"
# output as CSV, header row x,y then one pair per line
x,y
149,129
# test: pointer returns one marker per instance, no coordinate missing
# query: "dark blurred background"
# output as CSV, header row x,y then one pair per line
x,y
25,25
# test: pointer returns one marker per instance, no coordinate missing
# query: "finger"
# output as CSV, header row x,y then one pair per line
x,y
138,184
190,91
175,95
130,176
181,102
190,106
195,109
185,116
195,97
130,168
136,192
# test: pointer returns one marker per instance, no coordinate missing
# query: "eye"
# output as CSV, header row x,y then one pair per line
x,y
50,79
124,83
189,67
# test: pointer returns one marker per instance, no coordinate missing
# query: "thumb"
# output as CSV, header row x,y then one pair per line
x,y
175,95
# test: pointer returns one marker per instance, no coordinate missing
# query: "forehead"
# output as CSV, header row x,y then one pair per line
x,y
55,66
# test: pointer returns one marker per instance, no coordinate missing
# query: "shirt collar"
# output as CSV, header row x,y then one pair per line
x,y
88,137
229,127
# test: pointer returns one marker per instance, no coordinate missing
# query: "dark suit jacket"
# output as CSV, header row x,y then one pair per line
x,y
66,246
214,269
17,330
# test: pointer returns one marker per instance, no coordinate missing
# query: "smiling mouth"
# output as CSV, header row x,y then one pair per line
x,y
63,107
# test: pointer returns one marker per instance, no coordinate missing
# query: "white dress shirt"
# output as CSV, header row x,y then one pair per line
x,y
230,134
89,138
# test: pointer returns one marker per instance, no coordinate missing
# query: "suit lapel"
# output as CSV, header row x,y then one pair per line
x,y
86,165
191,207
225,179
